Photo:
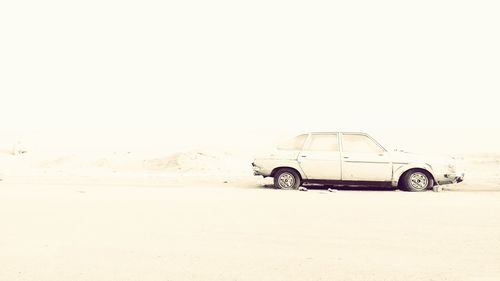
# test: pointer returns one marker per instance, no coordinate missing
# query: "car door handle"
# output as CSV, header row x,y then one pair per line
x,y
346,157
303,156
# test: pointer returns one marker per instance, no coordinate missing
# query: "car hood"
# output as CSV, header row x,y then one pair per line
x,y
428,158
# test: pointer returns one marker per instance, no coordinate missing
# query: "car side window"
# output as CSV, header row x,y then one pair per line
x,y
324,142
359,144
295,143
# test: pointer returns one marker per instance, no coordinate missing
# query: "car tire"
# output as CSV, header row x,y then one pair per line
x,y
287,179
417,181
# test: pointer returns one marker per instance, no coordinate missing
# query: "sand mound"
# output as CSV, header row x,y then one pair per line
x,y
202,161
198,161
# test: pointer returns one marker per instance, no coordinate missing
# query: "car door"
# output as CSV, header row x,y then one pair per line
x,y
320,157
363,159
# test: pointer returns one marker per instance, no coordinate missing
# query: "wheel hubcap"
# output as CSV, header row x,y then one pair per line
x,y
286,180
419,181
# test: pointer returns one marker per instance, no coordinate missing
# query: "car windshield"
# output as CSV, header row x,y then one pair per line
x,y
295,143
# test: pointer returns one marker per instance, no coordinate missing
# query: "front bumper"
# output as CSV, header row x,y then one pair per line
x,y
451,178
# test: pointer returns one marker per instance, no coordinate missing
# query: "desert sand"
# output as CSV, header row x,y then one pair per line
x,y
127,129
201,215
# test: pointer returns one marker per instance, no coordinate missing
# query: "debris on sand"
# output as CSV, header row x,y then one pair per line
x,y
18,149
302,188
437,188
333,190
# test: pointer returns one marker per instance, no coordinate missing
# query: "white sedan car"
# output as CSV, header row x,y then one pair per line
x,y
346,158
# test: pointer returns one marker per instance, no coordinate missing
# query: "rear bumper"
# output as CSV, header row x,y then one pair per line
x,y
257,171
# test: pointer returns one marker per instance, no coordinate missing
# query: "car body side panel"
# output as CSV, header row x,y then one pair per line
x,y
366,167
267,166
374,165
321,164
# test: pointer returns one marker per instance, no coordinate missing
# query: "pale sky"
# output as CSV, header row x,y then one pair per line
x,y
251,66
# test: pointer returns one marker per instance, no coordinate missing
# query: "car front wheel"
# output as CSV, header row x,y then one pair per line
x,y
417,181
287,179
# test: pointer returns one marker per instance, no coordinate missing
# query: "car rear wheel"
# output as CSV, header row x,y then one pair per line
x,y
287,179
417,180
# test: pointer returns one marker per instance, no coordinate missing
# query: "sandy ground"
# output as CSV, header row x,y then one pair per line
x,y
58,224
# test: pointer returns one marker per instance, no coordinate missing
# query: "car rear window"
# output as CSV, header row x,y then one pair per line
x,y
295,143
324,142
